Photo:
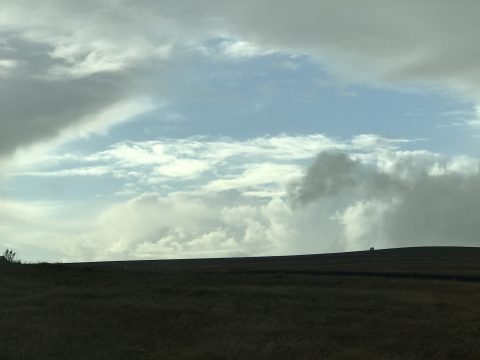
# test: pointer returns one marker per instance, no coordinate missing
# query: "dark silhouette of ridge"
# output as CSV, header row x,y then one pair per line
x,y
441,263
405,302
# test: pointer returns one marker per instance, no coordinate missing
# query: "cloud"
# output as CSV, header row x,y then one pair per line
x,y
242,49
233,204
335,174
84,171
409,43
109,116
36,109
7,66
38,223
65,62
257,176
330,174
179,225
182,168
346,200
72,69
416,198
225,164
279,148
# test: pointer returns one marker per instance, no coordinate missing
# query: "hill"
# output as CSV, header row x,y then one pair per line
x,y
449,262
333,306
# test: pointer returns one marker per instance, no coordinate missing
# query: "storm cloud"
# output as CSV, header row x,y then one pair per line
x,y
399,199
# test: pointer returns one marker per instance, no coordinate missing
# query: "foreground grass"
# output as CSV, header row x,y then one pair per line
x,y
56,312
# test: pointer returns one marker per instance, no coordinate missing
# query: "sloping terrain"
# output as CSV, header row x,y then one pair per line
x,y
259,308
416,260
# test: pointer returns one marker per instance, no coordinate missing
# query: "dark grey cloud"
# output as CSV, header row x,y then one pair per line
x,y
35,108
330,174
64,63
336,174
418,200
424,42
436,210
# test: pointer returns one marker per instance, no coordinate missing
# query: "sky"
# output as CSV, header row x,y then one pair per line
x,y
182,129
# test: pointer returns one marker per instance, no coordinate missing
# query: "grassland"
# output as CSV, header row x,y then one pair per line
x,y
343,306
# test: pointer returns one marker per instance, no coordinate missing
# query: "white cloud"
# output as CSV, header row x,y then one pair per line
x,y
374,142
7,66
466,119
344,201
108,117
33,228
232,164
78,60
180,225
84,171
257,175
473,121
183,168
242,49
282,147
361,223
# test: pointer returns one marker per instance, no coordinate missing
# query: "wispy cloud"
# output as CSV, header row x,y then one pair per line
x,y
77,61
257,176
257,165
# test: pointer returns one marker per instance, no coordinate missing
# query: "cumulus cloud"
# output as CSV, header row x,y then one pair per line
x,y
181,225
343,202
328,176
351,205
414,198
199,224
239,208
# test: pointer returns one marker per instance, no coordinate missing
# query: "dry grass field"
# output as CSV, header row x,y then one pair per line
x,y
340,306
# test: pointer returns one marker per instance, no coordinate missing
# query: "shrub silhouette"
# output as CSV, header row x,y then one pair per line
x,y
9,256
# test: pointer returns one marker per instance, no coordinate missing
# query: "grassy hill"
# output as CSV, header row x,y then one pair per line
x,y
420,260
413,303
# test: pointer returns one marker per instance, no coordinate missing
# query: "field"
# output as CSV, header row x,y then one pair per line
x,y
415,303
